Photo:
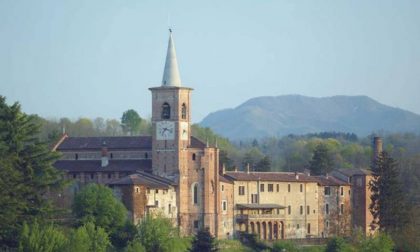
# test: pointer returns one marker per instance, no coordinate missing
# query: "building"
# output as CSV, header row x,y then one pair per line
x,y
175,174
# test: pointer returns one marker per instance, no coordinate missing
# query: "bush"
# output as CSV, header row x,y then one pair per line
x,y
288,246
203,242
158,234
135,246
378,243
36,238
337,244
89,238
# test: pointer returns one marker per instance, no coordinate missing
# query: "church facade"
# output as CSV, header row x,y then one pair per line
x,y
175,174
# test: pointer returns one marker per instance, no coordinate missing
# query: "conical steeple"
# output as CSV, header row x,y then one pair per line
x,y
171,76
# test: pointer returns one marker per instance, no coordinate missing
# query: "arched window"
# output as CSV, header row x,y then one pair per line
x,y
166,111
195,193
184,111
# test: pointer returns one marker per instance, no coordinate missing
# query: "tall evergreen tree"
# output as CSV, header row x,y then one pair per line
x,y
388,202
203,242
26,172
321,161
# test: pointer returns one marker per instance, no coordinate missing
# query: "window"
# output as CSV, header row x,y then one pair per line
x,y
92,175
74,175
169,208
278,187
301,210
137,190
301,187
327,190
328,224
195,193
289,210
157,191
193,156
157,203
241,190
166,111
146,156
342,208
76,156
112,156
148,190
196,224
270,188
327,209
224,205
308,210
341,191
254,198
288,187
223,188
109,175
309,228
297,226
184,111
262,188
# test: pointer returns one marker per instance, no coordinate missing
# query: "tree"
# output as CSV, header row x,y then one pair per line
x,y
321,162
26,173
387,196
130,122
97,204
264,164
156,233
337,244
203,241
36,238
89,238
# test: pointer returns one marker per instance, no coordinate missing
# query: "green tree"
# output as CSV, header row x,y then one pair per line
x,y
381,242
157,233
338,244
36,238
264,164
280,246
386,191
203,241
322,161
89,238
130,122
135,246
26,173
97,204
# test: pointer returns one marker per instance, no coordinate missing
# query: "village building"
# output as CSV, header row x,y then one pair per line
x,y
175,174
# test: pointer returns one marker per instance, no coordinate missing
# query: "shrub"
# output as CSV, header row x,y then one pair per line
x,y
36,238
288,246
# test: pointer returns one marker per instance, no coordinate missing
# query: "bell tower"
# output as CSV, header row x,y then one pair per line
x,y
171,119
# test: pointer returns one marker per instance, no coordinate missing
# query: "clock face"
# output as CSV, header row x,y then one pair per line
x,y
165,130
183,130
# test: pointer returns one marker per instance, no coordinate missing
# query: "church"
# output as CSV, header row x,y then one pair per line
x,y
174,174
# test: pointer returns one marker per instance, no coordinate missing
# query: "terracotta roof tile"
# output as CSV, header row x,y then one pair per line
x,y
121,142
270,176
142,178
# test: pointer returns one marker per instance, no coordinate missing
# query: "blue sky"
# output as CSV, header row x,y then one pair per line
x,y
98,58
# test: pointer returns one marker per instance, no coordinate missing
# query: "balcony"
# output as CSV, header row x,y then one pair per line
x,y
248,212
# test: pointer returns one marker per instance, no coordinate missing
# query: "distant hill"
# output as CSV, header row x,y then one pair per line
x,y
296,114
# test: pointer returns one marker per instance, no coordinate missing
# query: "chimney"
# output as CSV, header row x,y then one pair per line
x,y
104,155
377,148
247,168
236,168
297,176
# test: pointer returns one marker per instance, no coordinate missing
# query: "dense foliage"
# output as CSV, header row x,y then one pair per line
x,y
386,191
97,204
26,173
203,241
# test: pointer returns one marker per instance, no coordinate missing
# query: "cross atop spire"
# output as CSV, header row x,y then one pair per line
x,y
171,76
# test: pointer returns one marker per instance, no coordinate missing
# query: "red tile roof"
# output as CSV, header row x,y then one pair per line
x,y
270,176
146,179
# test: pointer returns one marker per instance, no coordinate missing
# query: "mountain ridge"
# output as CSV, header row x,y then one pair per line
x,y
281,115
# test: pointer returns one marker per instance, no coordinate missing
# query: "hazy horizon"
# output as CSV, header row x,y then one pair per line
x,y
97,59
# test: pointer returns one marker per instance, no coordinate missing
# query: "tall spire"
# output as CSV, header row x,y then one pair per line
x,y
171,76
